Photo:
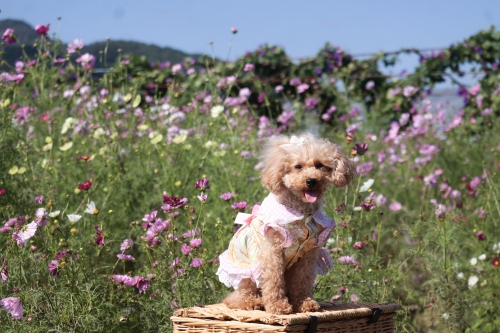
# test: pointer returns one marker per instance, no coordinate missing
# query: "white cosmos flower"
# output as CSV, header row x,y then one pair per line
x,y
482,257
446,316
472,281
91,209
473,261
216,111
460,275
25,233
55,213
366,185
74,217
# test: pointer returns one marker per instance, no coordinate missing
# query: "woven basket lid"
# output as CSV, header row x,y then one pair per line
x,y
329,312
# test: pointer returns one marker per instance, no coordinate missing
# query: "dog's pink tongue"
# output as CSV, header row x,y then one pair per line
x,y
311,196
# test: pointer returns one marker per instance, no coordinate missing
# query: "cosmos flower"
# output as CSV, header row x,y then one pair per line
x,y
99,237
203,197
226,196
87,61
196,262
53,267
9,36
126,257
85,186
13,306
195,242
25,233
186,249
239,205
74,217
91,209
347,260
202,184
41,29
126,245
172,202
75,45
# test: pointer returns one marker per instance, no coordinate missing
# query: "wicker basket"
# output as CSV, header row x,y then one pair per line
x,y
339,318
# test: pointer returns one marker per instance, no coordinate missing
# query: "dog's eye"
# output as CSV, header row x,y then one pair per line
x,y
319,166
298,166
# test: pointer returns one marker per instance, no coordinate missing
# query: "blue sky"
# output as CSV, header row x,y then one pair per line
x,y
302,27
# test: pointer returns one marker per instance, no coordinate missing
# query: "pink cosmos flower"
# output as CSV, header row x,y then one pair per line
x,y
369,85
239,205
4,274
380,200
13,305
234,30
409,91
9,36
25,233
126,257
75,45
196,262
310,102
355,298
87,60
347,260
202,184
195,242
395,206
474,89
480,235
192,233
336,298
278,89
185,249
41,217
227,196
175,262
41,29
2,191
302,88
177,68
126,245
203,197
249,68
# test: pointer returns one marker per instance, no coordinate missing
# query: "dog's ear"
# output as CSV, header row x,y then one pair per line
x,y
343,169
274,159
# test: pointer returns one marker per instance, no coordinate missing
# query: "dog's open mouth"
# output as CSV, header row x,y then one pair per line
x,y
311,196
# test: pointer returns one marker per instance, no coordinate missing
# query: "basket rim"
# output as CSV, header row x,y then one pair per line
x,y
330,312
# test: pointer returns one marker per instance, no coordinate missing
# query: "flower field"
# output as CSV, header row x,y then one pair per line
x,y
118,190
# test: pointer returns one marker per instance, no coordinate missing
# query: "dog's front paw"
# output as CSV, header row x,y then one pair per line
x,y
279,307
308,305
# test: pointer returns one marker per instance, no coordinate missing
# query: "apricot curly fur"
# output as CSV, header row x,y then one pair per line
x,y
284,173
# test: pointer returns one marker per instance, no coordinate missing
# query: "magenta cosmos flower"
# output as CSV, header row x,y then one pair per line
x,y
41,29
87,60
172,202
99,237
75,45
85,186
202,184
13,305
9,36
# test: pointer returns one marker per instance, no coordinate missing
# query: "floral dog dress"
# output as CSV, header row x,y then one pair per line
x,y
300,233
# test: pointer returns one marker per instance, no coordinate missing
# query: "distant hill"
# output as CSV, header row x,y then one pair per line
x,y
27,36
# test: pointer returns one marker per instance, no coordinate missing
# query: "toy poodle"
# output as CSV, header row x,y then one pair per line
x,y
273,259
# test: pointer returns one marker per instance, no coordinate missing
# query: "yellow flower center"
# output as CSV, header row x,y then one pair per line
x,y
95,212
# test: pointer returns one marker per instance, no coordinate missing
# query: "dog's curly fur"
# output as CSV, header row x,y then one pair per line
x,y
285,172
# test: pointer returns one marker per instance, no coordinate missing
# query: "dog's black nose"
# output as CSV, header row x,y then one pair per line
x,y
311,182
